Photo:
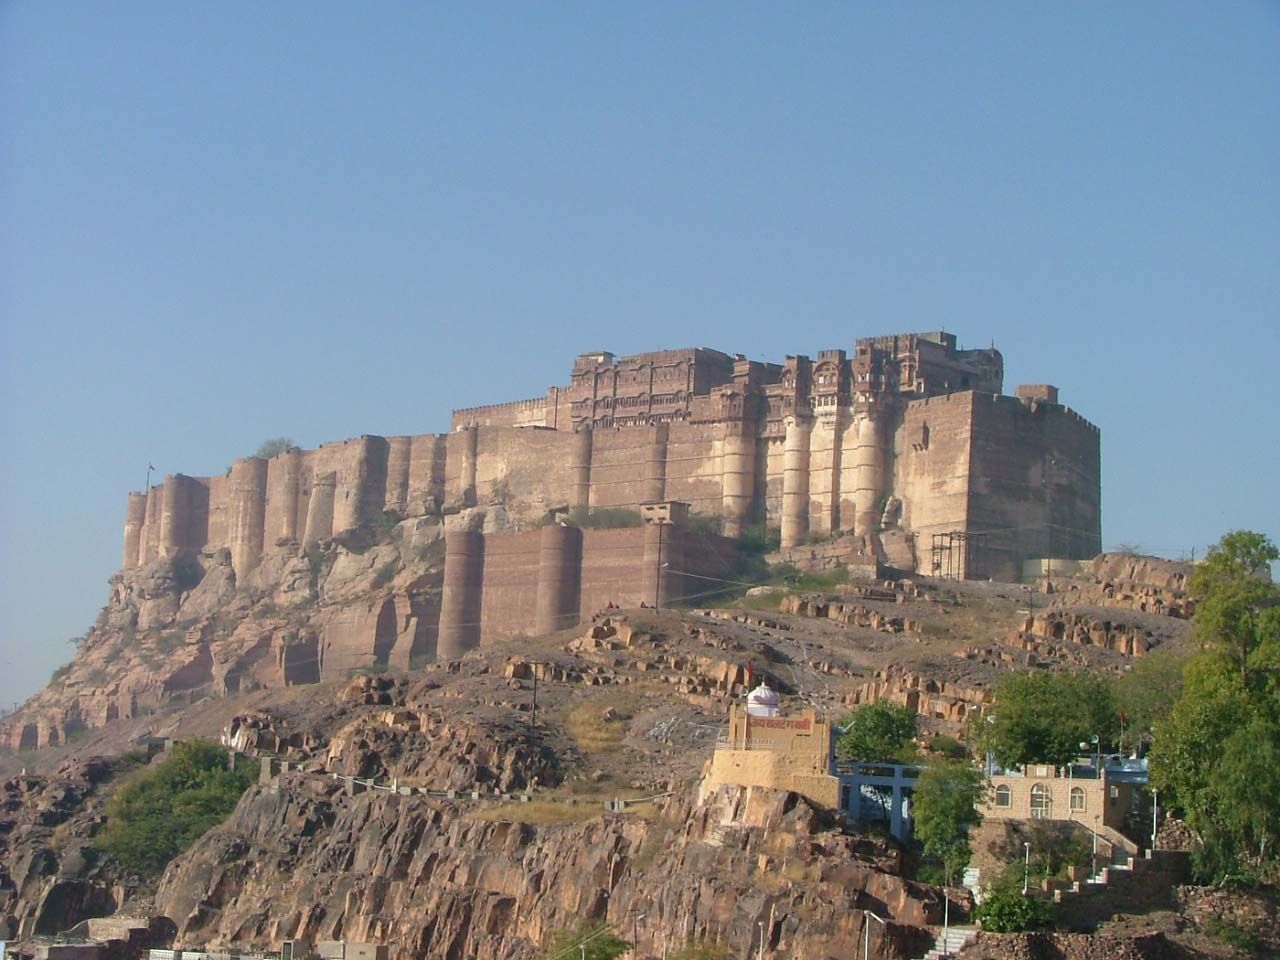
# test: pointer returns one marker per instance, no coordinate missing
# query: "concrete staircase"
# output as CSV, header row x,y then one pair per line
x,y
955,940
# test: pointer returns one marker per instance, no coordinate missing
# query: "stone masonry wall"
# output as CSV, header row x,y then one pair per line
x,y
749,445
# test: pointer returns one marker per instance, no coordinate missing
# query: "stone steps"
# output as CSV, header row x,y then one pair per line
x,y
952,942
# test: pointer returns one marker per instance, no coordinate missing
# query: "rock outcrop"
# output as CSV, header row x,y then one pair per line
x,y
183,627
51,877
435,882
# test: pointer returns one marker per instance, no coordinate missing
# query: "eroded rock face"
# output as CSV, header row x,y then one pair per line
x,y
303,859
183,627
50,876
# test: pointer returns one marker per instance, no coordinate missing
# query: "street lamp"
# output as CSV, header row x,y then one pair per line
x,y
635,924
760,951
867,917
946,911
1095,845
1096,743
1026,865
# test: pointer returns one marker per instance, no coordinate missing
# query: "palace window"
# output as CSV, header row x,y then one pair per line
x,y
1077,799
1004,796
1041,802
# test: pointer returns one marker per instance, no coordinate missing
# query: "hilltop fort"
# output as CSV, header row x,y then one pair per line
x,y
633,485
910,443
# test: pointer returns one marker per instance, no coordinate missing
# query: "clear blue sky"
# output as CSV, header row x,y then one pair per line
x,y
223,222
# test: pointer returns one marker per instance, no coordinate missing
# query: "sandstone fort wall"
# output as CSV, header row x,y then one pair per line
x,y
909,432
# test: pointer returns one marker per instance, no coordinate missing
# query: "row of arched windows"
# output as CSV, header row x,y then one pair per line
x,y
1041,800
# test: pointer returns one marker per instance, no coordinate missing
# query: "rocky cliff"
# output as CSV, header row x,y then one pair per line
x,y
435,882
185,627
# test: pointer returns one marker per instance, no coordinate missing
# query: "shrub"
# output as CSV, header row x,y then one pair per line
x,y
161,810
948,747
760,539
170,641
187,572
315,559
384,574
705,523
274,447
1007,912
59,673
590,940
702,950
1230,934
265,609
432,552
385,523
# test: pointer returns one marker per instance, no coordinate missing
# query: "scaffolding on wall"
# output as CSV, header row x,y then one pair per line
x,y
951,553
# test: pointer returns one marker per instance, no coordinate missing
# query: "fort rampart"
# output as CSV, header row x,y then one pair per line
x,y
909,434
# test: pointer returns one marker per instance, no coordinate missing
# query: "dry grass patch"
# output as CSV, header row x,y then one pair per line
x,y
552,811
538,811
599,724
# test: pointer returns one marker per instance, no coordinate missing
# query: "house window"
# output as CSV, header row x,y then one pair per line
x,y
1041,803
1077,799
1004,796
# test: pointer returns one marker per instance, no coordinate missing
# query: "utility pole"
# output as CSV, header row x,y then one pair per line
x,y
534,720
657,576
1095,846
1155,809
946,912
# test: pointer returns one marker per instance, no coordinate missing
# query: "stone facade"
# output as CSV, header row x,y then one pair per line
x,y
793,752
1042,793
908,441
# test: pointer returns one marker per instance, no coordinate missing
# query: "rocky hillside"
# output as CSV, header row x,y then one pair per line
x,y
479,825
182,628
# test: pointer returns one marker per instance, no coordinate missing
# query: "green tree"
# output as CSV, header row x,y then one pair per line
x,y
274,447
163,809
878,732
1044,717
1217,755
1146,693
1236,604
944,808
591,939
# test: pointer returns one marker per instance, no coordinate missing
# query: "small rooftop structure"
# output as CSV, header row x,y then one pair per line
x,y
763,701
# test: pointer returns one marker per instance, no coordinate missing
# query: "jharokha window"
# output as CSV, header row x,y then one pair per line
x,y
1041,802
